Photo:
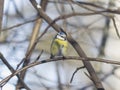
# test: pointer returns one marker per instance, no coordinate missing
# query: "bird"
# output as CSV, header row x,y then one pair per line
x,y
59,45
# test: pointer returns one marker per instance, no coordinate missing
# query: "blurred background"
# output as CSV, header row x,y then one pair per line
x,y
95,33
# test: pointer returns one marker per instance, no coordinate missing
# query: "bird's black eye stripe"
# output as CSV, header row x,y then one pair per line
x,y
62,36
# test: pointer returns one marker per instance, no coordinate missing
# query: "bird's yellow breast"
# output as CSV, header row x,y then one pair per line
x,y
59,45
61,42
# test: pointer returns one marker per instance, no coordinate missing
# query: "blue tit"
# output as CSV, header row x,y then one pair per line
x,y
59,45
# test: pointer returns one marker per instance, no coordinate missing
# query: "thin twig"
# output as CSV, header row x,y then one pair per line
x,y
116,29
1,13
77,69
17,25
39,56
88,75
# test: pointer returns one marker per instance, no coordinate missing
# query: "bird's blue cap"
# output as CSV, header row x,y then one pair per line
x,y
62,34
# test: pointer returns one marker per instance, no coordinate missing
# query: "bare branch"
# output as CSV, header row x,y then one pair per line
x,y
30,49
1,13
17,25
77,69
12,70
116,29
58,59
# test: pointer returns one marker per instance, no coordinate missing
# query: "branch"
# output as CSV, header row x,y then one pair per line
x,y
30,48
12,71
114,11
17,25
1,13
58,59
116,29
77,69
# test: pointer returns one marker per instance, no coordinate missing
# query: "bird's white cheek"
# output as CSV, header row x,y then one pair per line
x,y
59,37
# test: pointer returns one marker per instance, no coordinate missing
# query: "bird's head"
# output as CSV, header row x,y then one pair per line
x,y
61,36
